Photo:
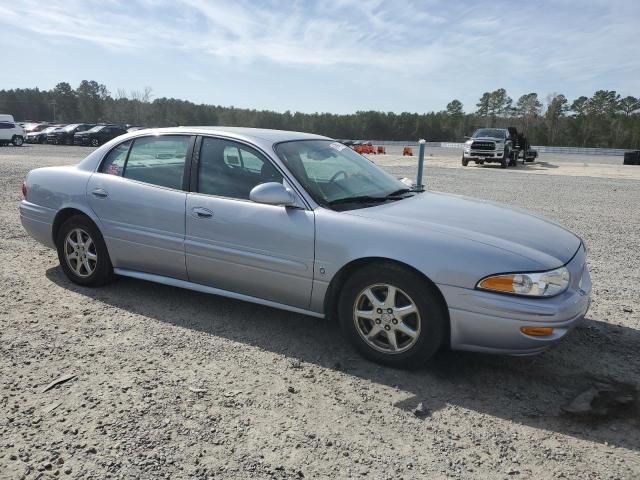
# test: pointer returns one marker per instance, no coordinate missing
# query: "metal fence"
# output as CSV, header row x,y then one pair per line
x,y
540,148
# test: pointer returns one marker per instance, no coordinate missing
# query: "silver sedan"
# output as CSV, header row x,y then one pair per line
x,y
303,223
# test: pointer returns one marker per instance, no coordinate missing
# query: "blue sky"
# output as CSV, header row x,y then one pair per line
x,y
335,56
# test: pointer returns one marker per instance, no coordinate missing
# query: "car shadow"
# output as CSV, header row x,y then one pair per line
x,y
537,165
526,390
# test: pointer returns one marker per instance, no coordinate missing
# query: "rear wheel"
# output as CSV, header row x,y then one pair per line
x,y
392,315
17,140
82,253
505,159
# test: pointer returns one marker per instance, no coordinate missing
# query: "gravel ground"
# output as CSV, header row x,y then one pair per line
x,y
175,384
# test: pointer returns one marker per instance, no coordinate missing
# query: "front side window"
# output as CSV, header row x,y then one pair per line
x,y
231,169
334,174
158,160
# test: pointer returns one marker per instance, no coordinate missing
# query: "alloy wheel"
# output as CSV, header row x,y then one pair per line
x,y
80,252
387,318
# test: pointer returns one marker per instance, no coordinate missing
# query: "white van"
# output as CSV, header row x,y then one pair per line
x,y
10,131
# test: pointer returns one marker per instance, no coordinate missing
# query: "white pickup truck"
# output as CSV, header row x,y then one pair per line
x,y
10,131
489,145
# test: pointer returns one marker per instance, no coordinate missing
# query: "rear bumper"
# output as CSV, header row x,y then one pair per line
x,y
38,222
490,322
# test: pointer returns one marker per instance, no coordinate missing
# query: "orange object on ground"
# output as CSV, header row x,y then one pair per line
x,y
382,150
407,151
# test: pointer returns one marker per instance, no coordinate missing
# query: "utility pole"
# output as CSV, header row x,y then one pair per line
x,y
53,104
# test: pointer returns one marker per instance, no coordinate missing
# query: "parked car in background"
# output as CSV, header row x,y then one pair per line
x,y
65,135
98,135
10,131
41,136
34,127
303,223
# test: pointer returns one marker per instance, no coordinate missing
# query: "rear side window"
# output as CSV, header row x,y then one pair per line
x,y
113,163
7,125
158,160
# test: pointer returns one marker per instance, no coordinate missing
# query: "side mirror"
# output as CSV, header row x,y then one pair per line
x,y
467,137
272,193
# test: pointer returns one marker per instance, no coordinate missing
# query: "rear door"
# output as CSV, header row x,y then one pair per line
x,y
139,196
237,245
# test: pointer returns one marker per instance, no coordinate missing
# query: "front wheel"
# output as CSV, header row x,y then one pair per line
x,y
17,141
95,142
465,162
392,315
82,253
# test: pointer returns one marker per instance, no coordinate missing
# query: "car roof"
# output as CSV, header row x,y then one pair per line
x,y
258,135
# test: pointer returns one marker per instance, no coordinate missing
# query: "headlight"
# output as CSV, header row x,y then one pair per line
x,y
542,284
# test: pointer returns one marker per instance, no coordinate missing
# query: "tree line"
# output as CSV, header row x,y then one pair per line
x,y
606,119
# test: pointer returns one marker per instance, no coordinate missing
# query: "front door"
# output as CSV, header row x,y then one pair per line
x,y
139,198
237,245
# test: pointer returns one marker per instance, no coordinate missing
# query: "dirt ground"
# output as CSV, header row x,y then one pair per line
x,y
171,383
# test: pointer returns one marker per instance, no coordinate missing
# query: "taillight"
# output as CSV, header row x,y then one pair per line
x,y
24,189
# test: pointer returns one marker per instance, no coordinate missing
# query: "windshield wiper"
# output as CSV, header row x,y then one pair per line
x,y
368,198
402,191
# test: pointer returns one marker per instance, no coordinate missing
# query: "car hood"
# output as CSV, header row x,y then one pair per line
x,y
514,230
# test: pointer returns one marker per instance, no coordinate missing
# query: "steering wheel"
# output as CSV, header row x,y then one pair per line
x,y
335,176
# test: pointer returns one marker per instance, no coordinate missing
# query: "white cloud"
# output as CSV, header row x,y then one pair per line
x,y
462,45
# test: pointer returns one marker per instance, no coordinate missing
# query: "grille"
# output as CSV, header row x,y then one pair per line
x,y
483,146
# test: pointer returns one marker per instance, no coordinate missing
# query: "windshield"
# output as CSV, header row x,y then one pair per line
x,y
332,172
96,129
489,132
68,128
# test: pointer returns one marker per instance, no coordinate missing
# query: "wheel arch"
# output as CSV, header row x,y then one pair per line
x,y
66,213
338,280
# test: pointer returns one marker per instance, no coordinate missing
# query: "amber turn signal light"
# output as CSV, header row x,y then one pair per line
x,y
537,331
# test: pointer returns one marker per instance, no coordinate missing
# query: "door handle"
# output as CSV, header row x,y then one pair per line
x,y
100,193
201,212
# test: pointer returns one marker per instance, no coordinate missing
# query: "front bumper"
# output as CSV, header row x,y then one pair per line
x,y
483,154
491,322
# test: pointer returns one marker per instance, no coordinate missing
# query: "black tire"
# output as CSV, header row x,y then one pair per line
x,y
465,162
504,161
103,271
508,156
95,142
17,140
433,323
